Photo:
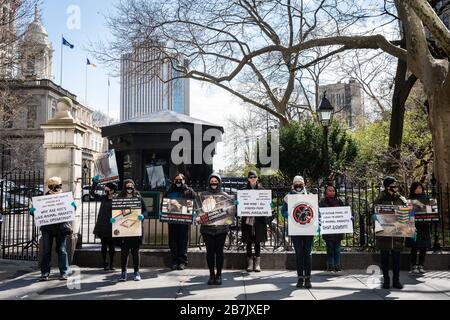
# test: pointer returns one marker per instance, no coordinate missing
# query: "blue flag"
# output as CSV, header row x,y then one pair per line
x,y
67,43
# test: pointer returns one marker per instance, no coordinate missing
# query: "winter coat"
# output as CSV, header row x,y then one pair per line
x,y
325,203
258,232
390,243
103,226
180,193
423,236
284,208
144,212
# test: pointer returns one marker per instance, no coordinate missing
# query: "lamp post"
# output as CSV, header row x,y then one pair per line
x,y
325,112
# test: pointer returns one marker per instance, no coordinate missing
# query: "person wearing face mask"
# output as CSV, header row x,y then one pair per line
x,y
179,233
58,231
254,229
302,244
214,234
390,246
103,227
131,243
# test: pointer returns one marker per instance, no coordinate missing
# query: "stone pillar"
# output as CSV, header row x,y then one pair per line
x,y
63,143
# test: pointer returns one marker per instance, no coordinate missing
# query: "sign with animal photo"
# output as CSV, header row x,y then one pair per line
x,y
254,203
211,208
303,219
126,212
53,209
394,221
178,211
425,210
336,220
106,166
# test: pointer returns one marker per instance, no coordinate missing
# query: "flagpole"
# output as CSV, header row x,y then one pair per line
x,y
86,89
108,98
62,48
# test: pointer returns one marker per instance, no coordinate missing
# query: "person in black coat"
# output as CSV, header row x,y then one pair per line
x,y
333,241
179,233
254,230
422,241
103,226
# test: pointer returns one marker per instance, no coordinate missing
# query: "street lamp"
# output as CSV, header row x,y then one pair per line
x,y
325,112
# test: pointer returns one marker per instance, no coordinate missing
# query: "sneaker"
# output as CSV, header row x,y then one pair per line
x,y
421,270
181,266
137,276
415,269
123,277
308,283
300,283
64,277
44,277
337,269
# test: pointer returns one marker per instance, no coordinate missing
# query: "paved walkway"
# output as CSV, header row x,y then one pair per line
x,y
93,284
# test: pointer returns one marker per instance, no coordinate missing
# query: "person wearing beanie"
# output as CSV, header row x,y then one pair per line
x,y
103,226
390,246
131,243
302,244
179,233
59,231
214,233
254,229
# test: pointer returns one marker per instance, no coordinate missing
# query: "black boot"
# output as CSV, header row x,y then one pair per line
x,y
386,283
308,283
212,279
300,282
218,281
397,284
105,266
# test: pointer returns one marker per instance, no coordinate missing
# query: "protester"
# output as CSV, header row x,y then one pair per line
x,y
214,234
103,227
58,231
254,229
390,246
302,244
422,242
333,241
131,243
179,233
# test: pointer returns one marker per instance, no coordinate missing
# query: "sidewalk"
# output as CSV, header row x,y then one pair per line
x,y
12,269
189,284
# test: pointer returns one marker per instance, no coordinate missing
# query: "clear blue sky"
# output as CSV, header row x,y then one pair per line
x,y
55,17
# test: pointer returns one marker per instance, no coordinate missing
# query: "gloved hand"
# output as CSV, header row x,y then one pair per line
x,y
113,220
374,218
272,206
74,205
236,203
32,211
96,179
141,218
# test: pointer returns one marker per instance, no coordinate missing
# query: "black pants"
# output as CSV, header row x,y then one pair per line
x,y
178,243
130,244
395,264
257,250
108,243
214,252
422,254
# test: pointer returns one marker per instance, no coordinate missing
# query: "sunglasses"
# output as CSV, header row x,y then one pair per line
x,y
178,181
59,186
253,177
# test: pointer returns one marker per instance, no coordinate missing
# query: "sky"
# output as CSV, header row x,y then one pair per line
x,y
82,22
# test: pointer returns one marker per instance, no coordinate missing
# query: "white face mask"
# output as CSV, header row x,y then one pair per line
x,y
214,187
179,185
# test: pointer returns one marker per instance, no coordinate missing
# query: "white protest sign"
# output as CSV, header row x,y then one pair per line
x,y
53,209
303,217
336,220
254,203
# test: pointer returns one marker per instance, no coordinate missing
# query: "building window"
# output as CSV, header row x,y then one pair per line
x,y
7,117
31,117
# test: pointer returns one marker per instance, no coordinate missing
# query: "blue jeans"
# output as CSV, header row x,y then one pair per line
x,y
303,252
61,250
334,253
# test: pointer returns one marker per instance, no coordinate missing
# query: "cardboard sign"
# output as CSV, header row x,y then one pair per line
x,y
254,203
53,209
178,211
303,219
212,208
394,221
106,166
336,220
126,211
425,212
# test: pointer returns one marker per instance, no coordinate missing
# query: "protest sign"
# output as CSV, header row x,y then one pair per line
x,y
303,217
254,203
394,221
126,212
211,208
336,220
106,166
53,209
178,211
425,210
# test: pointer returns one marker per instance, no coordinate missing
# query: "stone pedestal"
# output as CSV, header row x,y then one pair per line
x,y
63,143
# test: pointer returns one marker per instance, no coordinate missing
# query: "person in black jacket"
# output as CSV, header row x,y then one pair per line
x,y
179,233
131,243
254,229
333,241
103,227
422,242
